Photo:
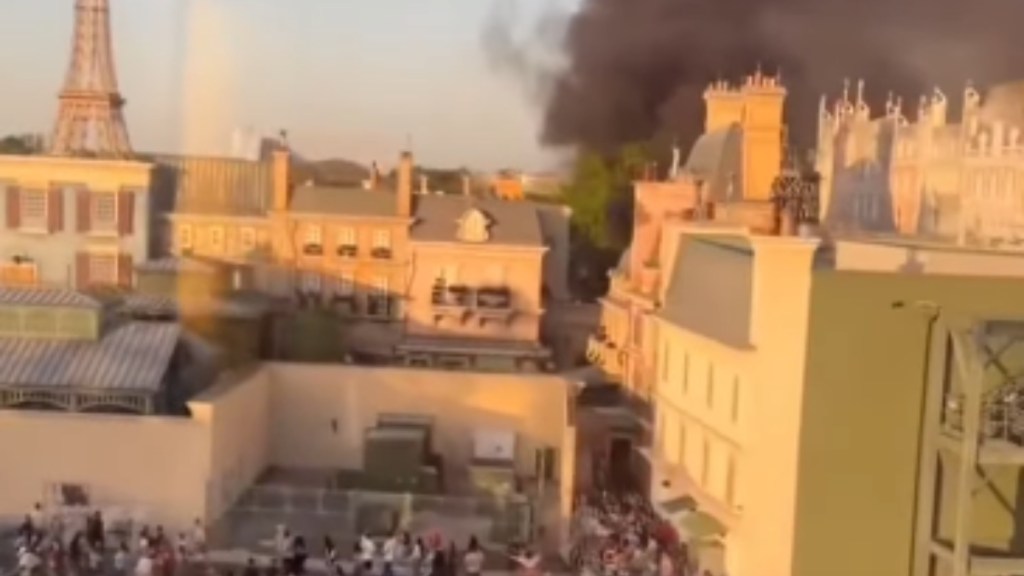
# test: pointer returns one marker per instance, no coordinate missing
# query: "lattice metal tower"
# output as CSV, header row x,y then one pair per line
x,y
90,120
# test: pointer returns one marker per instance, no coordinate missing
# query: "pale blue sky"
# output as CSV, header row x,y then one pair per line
x,y
345,77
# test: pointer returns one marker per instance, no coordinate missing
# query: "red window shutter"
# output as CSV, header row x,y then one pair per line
x,y
13,207
82,270
126,213
55,210
124,270
82,209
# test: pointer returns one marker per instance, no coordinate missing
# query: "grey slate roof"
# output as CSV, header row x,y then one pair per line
x,y
513,223
342,201
716,158
709,289
205,185
132,357
10,296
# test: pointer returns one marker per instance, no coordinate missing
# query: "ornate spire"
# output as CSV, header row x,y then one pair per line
x,y
90,118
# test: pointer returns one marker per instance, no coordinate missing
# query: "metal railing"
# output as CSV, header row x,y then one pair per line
x,y
511,517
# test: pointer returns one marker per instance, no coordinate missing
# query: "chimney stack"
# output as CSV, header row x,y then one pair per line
x,y
424,186
467,188
373,181
404,199
281,161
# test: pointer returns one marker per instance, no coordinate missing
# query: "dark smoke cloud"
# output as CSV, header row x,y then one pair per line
x,y
636,69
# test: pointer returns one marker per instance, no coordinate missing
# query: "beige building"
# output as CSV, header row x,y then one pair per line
x,y
291,416
791,436
728,175
921,170
437,280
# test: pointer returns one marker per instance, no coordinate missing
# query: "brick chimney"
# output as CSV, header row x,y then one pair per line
x,y
374,180
467,187
404,192
281,161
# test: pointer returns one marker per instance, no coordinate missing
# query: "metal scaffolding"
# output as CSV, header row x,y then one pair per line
x,y
973,425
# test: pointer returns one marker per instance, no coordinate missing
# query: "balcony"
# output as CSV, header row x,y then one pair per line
x,y
381,253
450,301
494,304
605,354
313,249
347,251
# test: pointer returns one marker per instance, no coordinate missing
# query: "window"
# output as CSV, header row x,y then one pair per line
x,y
730,481
705,463
247,239
735,399
103,208
184,237
382,239
33,210
310,282
664,361
346,237
103,269
216,238
681,456
474,227
711,385
346,284
686,372
380,286
314,235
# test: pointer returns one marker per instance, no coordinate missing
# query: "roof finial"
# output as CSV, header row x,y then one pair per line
x,y
860,91
846,90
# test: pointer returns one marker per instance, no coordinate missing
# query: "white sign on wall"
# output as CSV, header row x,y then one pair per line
x,y
494,445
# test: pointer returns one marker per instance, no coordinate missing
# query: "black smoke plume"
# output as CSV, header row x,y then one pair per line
x,y
635,70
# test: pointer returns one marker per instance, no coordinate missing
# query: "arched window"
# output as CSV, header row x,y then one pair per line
x,y
474,226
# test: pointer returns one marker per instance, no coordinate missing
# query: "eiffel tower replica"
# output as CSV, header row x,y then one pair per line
x,y
90,119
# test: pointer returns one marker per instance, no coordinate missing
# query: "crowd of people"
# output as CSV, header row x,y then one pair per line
x,y
619,534
397,554
50,545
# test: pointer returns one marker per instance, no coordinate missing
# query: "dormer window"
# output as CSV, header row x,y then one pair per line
x,y
474,226
313,243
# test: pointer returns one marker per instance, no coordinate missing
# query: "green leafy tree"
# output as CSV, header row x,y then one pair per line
x,y
600,195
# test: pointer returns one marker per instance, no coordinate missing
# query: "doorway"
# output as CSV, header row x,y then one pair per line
x,y
620,464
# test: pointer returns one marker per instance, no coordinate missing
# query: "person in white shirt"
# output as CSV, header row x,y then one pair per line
x,y
198,537
473,560
367,550
28,561
121,559
144,567
390,549
37,517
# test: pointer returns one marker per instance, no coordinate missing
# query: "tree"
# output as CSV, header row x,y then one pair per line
x,y
21,144
600,195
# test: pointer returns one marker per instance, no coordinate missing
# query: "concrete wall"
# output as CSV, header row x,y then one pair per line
x,y
320,411
237,412
153,466
173,470
54,254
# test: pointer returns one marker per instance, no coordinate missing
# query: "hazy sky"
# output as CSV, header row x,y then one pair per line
x,y
345,77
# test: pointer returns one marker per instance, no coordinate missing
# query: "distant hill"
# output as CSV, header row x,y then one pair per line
x,y
331,172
